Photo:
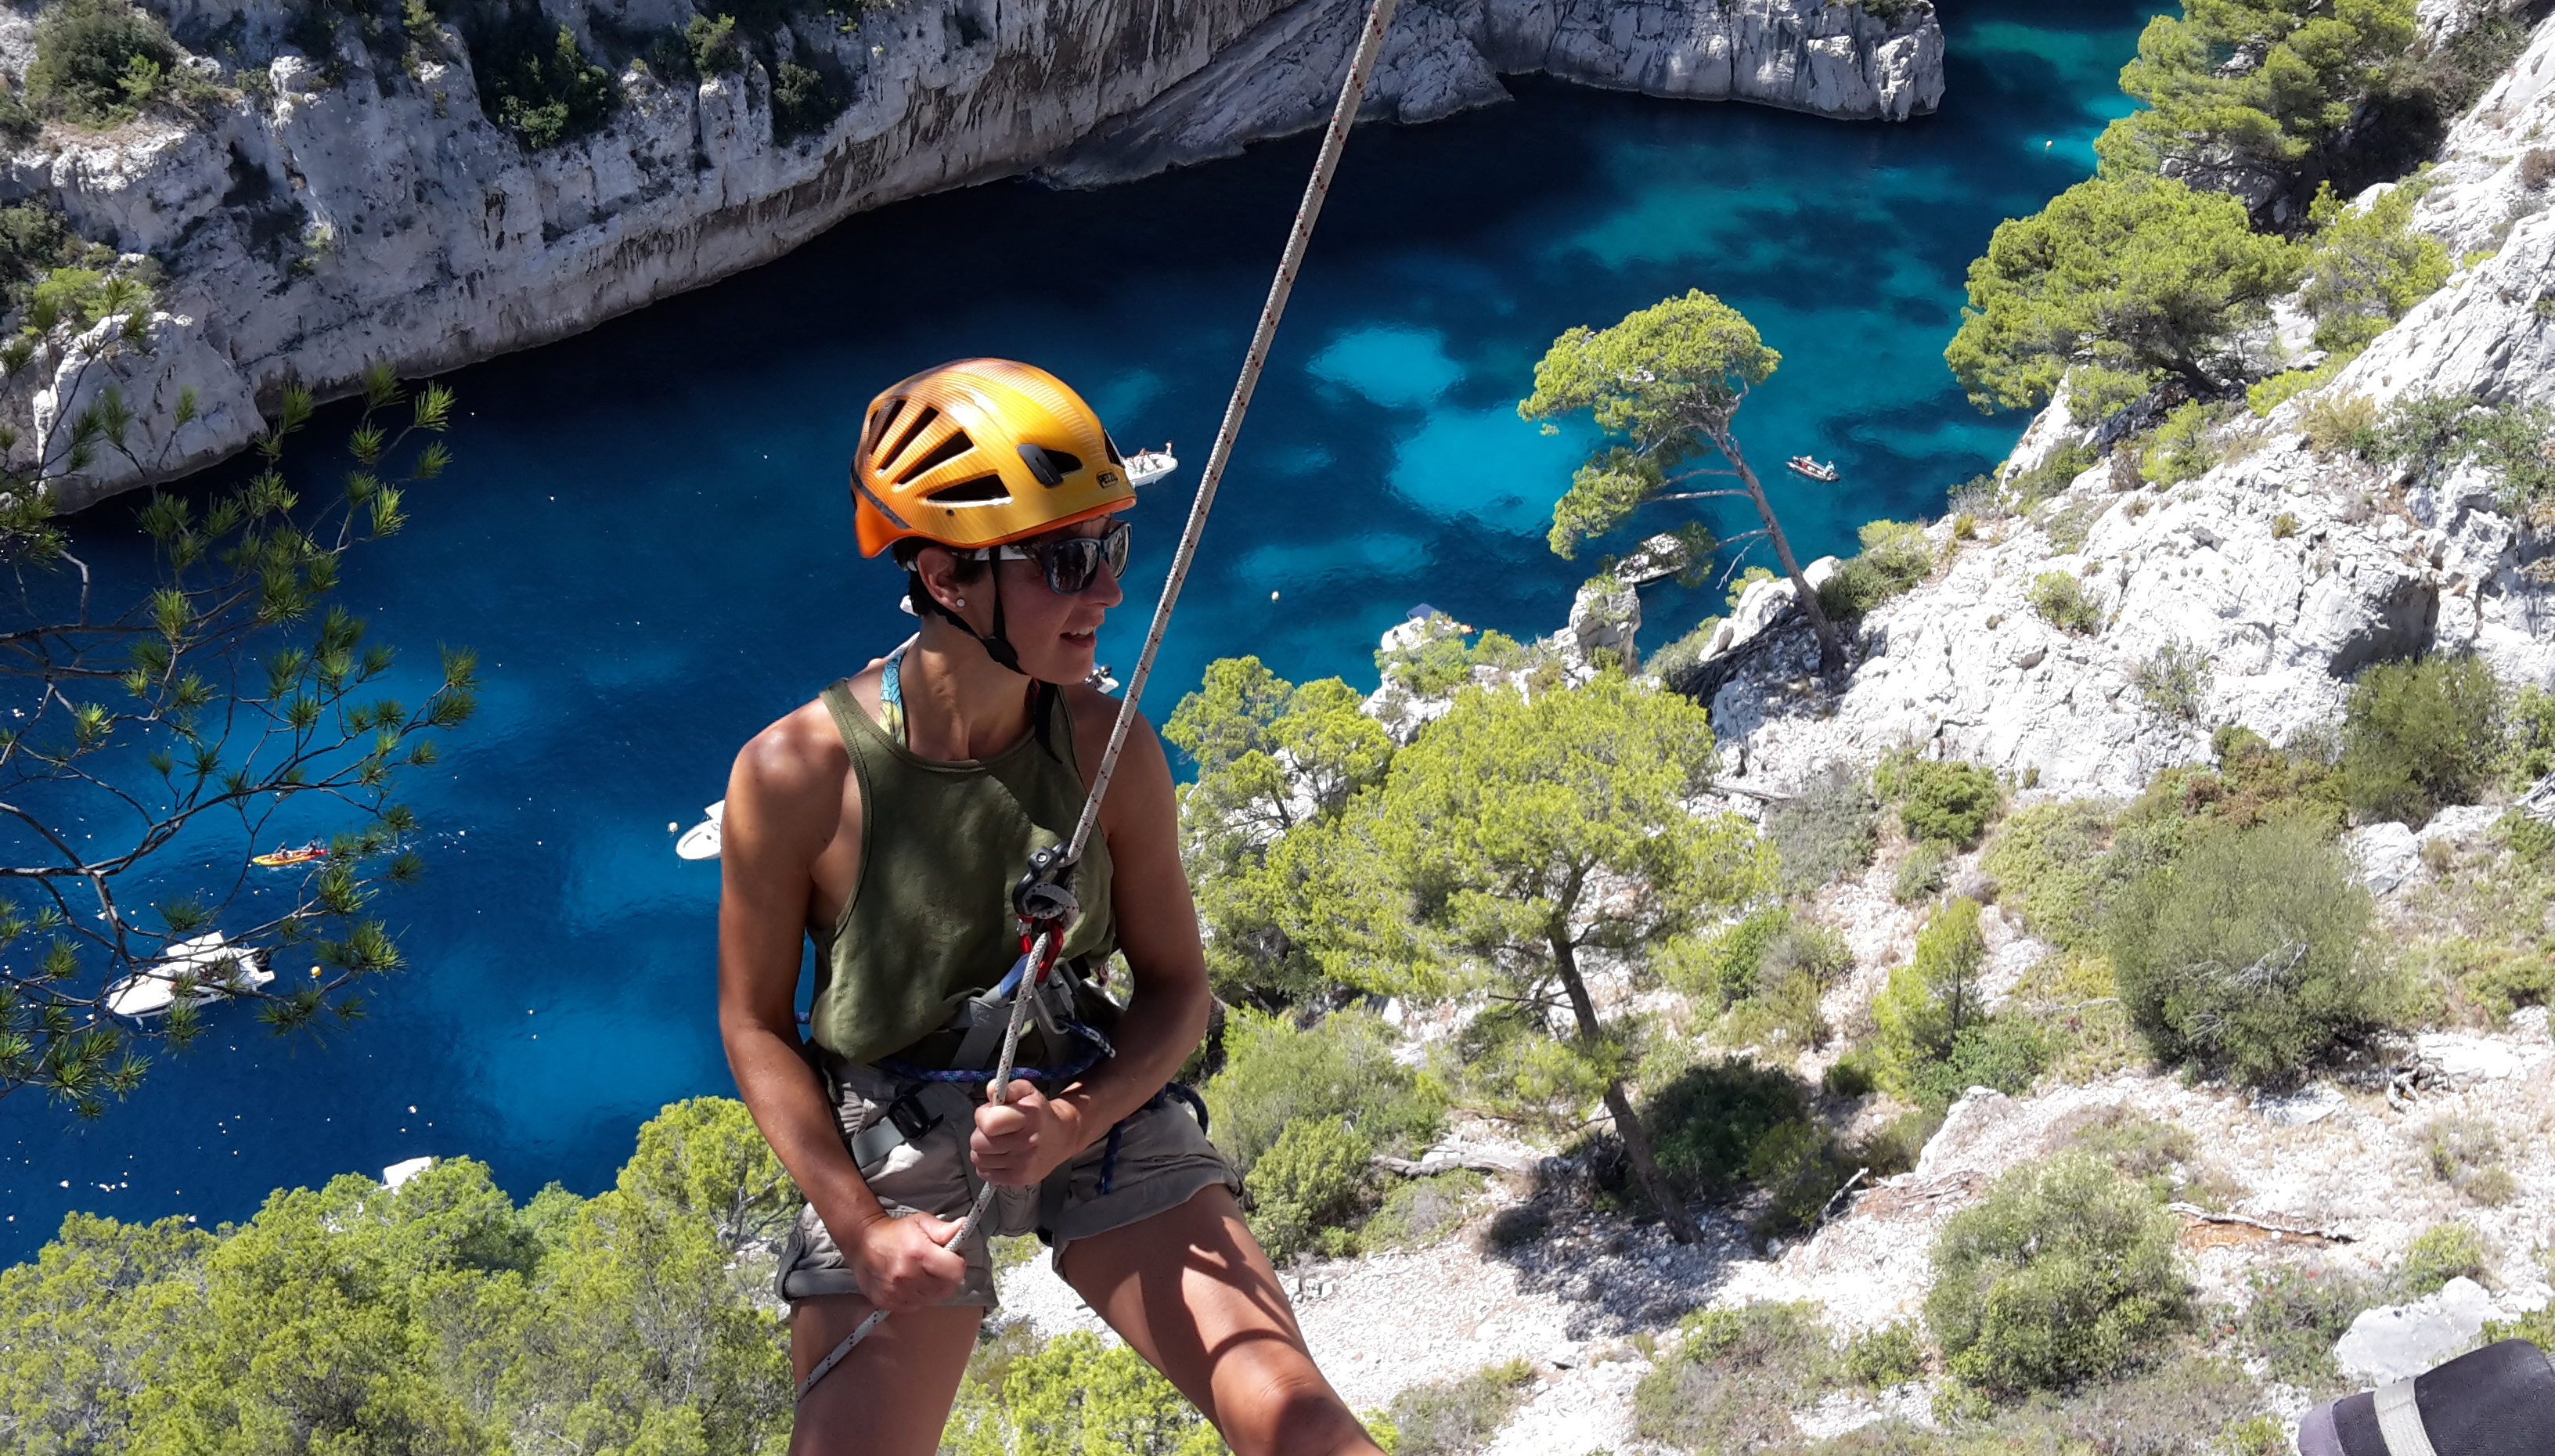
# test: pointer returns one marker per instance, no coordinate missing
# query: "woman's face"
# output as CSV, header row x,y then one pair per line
x,y
1058,637
1055,637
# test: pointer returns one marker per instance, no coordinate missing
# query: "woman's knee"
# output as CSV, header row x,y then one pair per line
x,y
1283,1404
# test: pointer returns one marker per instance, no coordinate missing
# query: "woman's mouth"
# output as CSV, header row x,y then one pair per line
x,y
1084,639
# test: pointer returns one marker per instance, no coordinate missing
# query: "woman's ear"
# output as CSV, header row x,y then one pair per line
x,y
939,569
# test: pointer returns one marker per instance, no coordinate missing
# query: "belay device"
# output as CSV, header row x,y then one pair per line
x,y
1043,900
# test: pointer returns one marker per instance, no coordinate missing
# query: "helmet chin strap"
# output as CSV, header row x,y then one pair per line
x,y
996,644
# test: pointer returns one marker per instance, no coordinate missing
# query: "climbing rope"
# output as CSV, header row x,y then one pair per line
x,y
1040,954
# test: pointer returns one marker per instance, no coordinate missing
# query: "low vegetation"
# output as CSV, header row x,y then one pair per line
x,y
1454,1417
2062,601
619,1321
102,62
2064,1272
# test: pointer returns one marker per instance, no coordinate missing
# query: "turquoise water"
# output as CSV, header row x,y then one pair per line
x,y
647,538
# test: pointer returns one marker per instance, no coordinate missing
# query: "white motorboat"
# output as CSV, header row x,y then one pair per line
x,y
403,1171
206,965
1146,466
701,841
1814,470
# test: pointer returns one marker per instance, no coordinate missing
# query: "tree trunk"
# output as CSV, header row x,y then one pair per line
x,y
1831,649
1637,1139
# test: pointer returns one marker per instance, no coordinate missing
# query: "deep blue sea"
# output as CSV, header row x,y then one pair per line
x,y
647,533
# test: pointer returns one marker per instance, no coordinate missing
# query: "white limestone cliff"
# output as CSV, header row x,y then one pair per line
x,y
2284,570
366,211
1444,56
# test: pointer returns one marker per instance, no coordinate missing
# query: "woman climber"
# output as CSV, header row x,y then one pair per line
x,y
889,821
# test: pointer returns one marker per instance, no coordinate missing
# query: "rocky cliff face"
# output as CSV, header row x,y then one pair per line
x,y
365,210
1443,55
2284,572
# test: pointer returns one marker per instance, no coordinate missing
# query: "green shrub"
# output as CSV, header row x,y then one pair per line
x,y
2467,1154
2180,449
2061,600
34,241
2498,979
1943,800
1933,1038
1720,966
2047,859
2342,426
1824,831
2245,950
2064,1272
1891,1355
98,62
1313,1179
2135,1145
1896,557
2366,266
2531,839
2069,525
2419,735
803,104
1277,1074
2531,716
1922,873
713,45
1063,1398
2297,1314
18,122
2283,525
2437,1255
1671,662
2173,680
2427,435
1851,1075
1709,1124
534,80
1460,1416
1733,1380
1420,1211
2053,474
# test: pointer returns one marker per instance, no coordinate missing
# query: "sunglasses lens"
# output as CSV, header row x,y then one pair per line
x,y
1072,562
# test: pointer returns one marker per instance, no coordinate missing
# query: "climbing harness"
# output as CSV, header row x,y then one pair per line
x,y
1043,899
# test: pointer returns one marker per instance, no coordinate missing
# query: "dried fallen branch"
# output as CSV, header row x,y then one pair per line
x,y
2198,1215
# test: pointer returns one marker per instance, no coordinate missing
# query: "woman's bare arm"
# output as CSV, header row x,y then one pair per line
x,y
785,804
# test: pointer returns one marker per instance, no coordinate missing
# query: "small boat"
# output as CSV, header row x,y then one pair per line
x,y
403,1171
281,858
207,964
701,841
1146,466
1804,465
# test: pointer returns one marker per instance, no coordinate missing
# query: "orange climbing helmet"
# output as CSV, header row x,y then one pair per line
x,y
978,452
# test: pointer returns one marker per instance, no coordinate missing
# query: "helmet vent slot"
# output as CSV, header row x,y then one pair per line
x,y
941,454
904,436
984,490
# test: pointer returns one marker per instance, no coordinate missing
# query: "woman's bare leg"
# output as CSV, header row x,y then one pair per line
x,y
1192,1292
891,1396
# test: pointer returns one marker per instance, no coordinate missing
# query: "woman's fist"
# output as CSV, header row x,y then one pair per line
x,y
1019,1141
905,1262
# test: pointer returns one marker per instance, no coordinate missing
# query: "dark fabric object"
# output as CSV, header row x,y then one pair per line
x,y
2499,1401
2316,1434
2354,1425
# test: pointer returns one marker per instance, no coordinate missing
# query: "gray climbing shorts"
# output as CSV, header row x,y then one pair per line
x,y
1162,1160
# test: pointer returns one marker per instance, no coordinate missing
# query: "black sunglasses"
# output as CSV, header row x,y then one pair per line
x,y
1071,563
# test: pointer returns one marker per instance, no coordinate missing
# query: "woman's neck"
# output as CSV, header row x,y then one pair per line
x,y
958,702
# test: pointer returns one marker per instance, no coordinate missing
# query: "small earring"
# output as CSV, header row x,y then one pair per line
x,y
962,601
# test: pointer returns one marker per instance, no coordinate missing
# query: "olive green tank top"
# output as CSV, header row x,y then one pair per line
x,y
930,922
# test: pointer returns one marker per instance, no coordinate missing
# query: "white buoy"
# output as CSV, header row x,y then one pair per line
x,y
1272,596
